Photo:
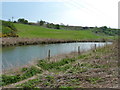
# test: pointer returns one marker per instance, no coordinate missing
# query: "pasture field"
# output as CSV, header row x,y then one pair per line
x,y
30,31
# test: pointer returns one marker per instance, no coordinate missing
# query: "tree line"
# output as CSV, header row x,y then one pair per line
x,y
40,23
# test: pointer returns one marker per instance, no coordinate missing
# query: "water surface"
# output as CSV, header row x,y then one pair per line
x,y
21,55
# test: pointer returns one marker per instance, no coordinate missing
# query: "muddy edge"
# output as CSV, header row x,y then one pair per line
x,y
35,41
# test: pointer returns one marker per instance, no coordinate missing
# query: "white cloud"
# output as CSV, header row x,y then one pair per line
x,y
31,0
92,12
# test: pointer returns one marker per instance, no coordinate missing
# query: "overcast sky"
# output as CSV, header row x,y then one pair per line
x,y
71,12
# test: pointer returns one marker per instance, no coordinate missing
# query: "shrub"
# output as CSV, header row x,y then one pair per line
x,y
8,29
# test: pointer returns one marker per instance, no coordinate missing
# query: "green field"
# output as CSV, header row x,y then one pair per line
x,y
30,31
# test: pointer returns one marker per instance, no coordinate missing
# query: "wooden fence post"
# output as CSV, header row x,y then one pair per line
x,y
78,49
49,55
95,47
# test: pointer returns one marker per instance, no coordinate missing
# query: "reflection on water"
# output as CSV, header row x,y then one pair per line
x,y
21,55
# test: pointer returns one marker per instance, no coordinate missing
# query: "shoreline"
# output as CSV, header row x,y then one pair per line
x,y
35,62
6,42
94,69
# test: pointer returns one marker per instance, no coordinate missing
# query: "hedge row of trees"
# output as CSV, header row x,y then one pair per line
x,y
105,30
40,23
49,25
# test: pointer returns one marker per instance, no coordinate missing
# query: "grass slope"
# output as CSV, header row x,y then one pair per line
x,y
41,32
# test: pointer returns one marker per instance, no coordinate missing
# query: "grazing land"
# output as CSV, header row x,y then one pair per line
x,y
35,34
30,31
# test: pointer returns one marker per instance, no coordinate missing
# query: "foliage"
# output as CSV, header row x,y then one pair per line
x,y
30,83
10,79
66,88
9,24
6,79
30,72
94,80
54,26
106,31
57,26
63,68
24,69
22,20
41,23
44,65
8,29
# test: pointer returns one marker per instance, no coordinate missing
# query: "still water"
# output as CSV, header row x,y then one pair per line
x,y
21,55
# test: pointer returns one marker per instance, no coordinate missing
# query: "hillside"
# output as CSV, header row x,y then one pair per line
x,y
8,29
32,31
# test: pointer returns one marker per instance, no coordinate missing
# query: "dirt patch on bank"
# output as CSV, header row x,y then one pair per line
x,y
35,41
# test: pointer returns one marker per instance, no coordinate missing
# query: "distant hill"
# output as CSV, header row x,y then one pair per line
x,y
64,32
33,31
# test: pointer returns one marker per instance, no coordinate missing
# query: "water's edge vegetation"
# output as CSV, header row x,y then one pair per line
x,y
92,69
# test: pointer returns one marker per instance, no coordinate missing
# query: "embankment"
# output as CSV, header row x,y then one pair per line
x,y
93,69
34,41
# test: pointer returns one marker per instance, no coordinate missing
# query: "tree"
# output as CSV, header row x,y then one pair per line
x,y
42,23
57,26
25,22
15,22
48,25
22,20
103,28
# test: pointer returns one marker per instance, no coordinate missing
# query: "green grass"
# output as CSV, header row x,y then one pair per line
x,y
94,80
54,65
31,31
30,83
29,72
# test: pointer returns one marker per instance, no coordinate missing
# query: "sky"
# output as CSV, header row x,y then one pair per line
x,y
69,12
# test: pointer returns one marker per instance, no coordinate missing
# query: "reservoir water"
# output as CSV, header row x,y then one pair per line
x,y
22,55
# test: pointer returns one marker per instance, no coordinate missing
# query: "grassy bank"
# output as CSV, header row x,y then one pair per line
x,y
32,35
93,69
31,31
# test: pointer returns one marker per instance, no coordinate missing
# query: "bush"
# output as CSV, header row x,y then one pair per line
x,y
106,31
8,29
